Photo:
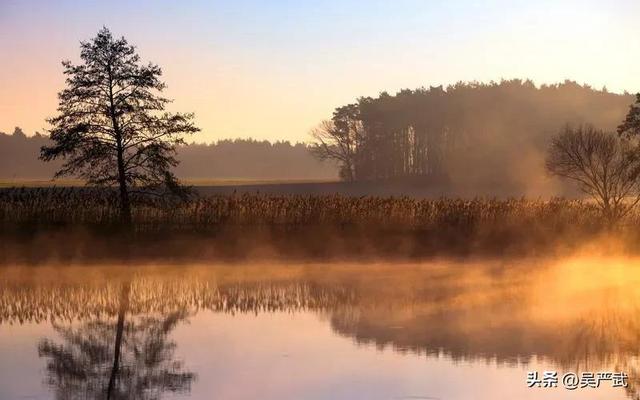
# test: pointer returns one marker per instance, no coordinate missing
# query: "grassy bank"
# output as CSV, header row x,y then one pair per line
x,y
298,226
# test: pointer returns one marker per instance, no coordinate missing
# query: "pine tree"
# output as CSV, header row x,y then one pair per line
x,y
112,128
631,124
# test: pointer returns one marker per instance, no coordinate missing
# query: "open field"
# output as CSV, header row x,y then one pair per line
x,y
411,188
35,183
16,183
197,183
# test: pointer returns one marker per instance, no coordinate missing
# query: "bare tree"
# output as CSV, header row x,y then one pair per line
x,y
338,140
601,163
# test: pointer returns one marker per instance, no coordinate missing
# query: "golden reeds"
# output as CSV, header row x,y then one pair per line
x,y
75,206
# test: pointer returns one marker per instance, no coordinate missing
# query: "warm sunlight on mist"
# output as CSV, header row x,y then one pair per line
x,y
343,199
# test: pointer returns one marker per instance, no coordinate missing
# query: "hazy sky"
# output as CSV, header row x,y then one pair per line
x,y
274,69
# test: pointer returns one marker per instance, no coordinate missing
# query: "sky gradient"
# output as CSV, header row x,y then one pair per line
x,y
273,70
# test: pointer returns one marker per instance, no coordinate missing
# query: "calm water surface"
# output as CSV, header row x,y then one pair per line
x,y
437,330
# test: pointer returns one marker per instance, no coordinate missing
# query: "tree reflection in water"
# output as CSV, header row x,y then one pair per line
x,y
129,358
554,313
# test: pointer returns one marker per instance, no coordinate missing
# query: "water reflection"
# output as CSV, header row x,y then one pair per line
x,y
129,358
115,325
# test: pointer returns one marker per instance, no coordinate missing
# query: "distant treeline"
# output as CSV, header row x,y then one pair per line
x,y
465,138
225,159
471,135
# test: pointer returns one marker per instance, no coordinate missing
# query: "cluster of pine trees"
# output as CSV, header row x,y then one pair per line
x,y
490,134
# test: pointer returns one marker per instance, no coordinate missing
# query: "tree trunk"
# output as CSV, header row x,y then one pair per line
x,y
124,304
349,168
125,204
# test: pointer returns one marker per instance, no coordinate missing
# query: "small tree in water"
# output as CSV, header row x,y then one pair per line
x,y
602,164
112,128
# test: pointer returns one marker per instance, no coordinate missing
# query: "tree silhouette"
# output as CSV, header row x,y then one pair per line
x,y
481,135
112,128
338,139
125,359
630,127
601,163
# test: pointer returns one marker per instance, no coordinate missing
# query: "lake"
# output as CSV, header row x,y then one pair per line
x,y
442,329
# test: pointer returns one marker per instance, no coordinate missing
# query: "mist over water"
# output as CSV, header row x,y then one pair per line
x,y
438,329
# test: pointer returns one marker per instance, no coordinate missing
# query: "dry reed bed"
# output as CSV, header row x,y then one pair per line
x,y
74,206
40,224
